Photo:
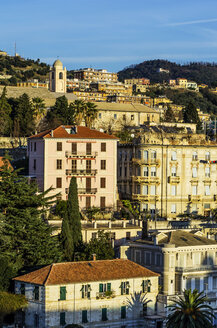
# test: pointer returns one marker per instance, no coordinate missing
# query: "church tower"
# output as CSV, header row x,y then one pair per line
x,y
58,77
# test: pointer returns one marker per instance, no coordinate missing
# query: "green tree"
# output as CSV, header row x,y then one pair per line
x,y
101,246
80,110
10,303
60,113
7,271
71,225
25,238
90,113
190,311
5,112
169,115
190,115
39,109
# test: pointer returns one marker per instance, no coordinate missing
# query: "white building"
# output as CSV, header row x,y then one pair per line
x,y
58,77
106,293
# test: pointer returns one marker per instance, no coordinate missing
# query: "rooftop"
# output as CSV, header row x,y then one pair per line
x,y
125,107
87,271
73,132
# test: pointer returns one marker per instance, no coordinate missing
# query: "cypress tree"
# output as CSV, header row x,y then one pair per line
x,y
169,115
5,111
71,225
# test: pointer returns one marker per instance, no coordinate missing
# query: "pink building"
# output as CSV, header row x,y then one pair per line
x,y
76,151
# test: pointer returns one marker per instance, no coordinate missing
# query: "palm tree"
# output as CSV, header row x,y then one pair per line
x,y
80,109
39,109
90,113
190,311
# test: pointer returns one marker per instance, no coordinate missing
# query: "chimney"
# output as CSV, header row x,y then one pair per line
x,y
51,132
94,257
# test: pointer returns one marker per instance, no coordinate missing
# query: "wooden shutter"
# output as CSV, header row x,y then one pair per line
x,y
109,287
88,184
63,293
74,148
102,183
88,148
58,182
103,146
101,288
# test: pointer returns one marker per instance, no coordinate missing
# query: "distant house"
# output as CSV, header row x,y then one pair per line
x,y
106,293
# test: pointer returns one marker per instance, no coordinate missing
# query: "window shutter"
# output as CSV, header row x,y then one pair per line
x,y
149,286
109,287
122,288
88,291
101,288
143,286
82,291
62,293
127,287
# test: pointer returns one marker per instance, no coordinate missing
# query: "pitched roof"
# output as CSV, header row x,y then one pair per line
x,y
183,239
82,133
75,272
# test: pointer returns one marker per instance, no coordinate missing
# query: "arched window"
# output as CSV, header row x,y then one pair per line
x,y
60,75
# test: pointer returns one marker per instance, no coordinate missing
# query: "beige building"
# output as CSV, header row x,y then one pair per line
x,y
33,84
111,87
90,95
93,75
109,293
169,170
58,77
137,81
184,260
182,83
114,115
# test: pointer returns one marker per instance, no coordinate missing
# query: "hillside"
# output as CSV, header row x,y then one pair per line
x,y
198,72
21,69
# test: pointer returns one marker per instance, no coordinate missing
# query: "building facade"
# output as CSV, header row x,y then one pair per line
x,y
76,151
169,170
109,293
58,77
93,75
185,260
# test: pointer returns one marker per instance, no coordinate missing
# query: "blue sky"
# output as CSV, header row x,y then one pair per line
x,y
110,34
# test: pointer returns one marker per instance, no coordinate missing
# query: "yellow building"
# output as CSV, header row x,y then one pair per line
x,y
111,88
169,170
93,75
137,81
90,96
182,82
125,99
33,84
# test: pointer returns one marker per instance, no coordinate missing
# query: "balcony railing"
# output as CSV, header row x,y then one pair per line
x,y
145,198
194,198
84,191
174,179
152,161
197,268
81,172
81,154
154,180
107,294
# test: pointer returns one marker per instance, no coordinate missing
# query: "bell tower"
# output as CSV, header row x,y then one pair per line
x,y
58,77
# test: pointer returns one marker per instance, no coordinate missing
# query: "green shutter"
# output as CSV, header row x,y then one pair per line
x,y
84,316
123,312
82,291
62,293
149,286
108,286
62,318
104,314
101,288
88,291
143,286
36,293
122,288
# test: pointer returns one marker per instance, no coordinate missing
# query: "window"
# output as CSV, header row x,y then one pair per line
x,y
88,202
88,148
207,190
36,320
34,164
31,146
214,283
85,291
188,283
115,116
94,235
35,146
148,258
173,208
173,156
123,312
196,258
145,190
88,166
74,165
125,171
102,202
137,256
58,182
36,293
205,284
194,156
153,190
153,171
59,164
146,286
100,115
194,172
153,155
62,318
207,172
103,146
63,293
104,314
128,235
145,171
125,288
158,259
103,164
22,289
197,284
173,171
194,190
102,183
105,287
145,154
60,75
84,316
74,148
194,209
173,190
132,117
59,146
207,156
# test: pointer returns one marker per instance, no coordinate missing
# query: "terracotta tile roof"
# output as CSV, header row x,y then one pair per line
x,y
75,272
82,133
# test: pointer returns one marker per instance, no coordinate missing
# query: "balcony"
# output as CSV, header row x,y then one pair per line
x,y
84,191
81,172
81,155
145,198
152,161
207,267
107,294
174,179
151,180
194,198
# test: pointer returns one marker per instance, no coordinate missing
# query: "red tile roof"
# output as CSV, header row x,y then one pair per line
x,y
75,272
82,133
